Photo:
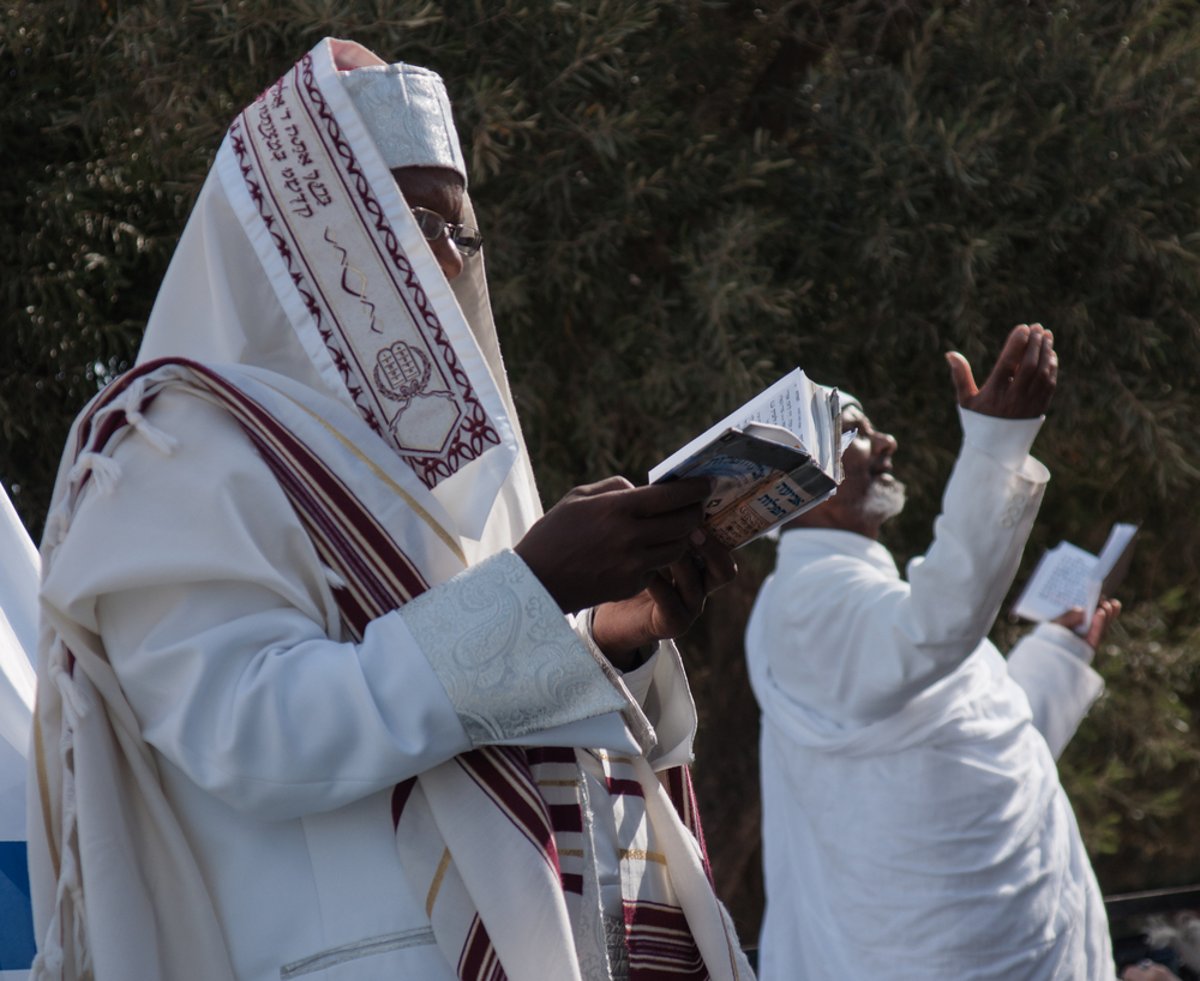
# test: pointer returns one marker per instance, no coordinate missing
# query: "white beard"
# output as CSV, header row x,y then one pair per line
x,y
884,500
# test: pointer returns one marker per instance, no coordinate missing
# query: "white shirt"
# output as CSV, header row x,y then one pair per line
x,y
914,825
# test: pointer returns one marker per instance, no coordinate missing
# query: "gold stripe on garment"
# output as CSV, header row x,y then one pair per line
x,y
436,885
603,754
640,854
571,852
449,540
558,783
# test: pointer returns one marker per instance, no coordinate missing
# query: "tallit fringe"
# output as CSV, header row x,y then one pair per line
x,y
56,527
68,914
131,402
104,470
99,464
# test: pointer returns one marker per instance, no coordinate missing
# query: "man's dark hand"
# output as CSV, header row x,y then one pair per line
x,y
1107,610
672,600
604,541
1023,381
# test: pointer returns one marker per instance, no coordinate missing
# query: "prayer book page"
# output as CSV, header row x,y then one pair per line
x,y
1067,576
772,458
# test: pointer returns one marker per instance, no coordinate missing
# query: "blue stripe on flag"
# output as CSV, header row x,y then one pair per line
x,y
16,912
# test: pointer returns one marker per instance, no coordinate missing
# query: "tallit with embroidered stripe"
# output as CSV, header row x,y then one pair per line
x,y
398,450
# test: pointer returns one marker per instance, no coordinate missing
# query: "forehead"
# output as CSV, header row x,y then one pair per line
x,y
435,188
853,417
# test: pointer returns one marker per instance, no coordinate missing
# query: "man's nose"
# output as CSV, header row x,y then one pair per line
x,y
448,257
883,443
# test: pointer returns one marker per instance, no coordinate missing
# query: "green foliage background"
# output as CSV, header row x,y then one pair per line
x,y
682,200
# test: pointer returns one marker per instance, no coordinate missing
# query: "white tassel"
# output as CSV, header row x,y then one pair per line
x,y
56,527
76,701
47,965
104,470
132,403
161,441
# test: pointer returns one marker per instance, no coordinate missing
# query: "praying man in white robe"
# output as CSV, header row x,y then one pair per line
x,y
322,693
914,825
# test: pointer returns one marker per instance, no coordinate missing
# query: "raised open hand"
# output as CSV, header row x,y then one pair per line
x,y
604,541
1023,381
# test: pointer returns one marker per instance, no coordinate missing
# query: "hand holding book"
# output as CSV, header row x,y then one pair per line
x,y
1068,577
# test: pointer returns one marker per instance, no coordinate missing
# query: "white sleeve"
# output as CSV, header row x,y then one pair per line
x,y
228,644
664,713
1052,665
856,645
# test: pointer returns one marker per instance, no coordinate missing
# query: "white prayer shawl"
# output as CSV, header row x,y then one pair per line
x,y
173,822
914,825
18,639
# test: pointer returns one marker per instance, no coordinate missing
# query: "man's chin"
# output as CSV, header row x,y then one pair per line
x,y
885,499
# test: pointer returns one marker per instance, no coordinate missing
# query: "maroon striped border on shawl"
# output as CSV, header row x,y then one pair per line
x,y
566,818
682,793
84,439
479,961
624,788
661,947
380,577
550,754
503,774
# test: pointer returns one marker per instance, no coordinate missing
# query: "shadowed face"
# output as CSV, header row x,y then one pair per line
x,y
438,190
870,492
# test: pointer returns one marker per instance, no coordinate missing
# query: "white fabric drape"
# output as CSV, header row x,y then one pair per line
x,y
209,715
18,641
914,825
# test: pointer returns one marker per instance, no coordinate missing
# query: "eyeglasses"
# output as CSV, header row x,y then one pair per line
x,y
433,226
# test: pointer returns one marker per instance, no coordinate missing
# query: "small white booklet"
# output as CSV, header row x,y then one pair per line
x,y
1067,576
772,459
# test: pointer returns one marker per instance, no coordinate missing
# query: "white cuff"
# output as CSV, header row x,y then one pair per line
x,y
506,655
1065,639
1008,441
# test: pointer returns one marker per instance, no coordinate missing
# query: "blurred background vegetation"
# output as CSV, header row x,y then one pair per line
x,y
682,200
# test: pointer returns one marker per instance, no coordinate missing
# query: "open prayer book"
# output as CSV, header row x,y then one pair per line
x,y
773,458
1067,576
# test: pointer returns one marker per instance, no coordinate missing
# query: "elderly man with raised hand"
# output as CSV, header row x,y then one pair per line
x,y
313,700
914,825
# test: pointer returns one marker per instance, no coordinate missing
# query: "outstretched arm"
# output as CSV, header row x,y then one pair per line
x,y
1053,666
856,643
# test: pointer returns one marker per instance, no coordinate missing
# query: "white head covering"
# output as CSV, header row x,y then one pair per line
x,y
302,257
407,112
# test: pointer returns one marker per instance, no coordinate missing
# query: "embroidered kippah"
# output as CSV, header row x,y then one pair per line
x,y
407,112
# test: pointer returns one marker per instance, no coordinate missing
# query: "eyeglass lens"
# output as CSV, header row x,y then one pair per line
x,y
433,226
